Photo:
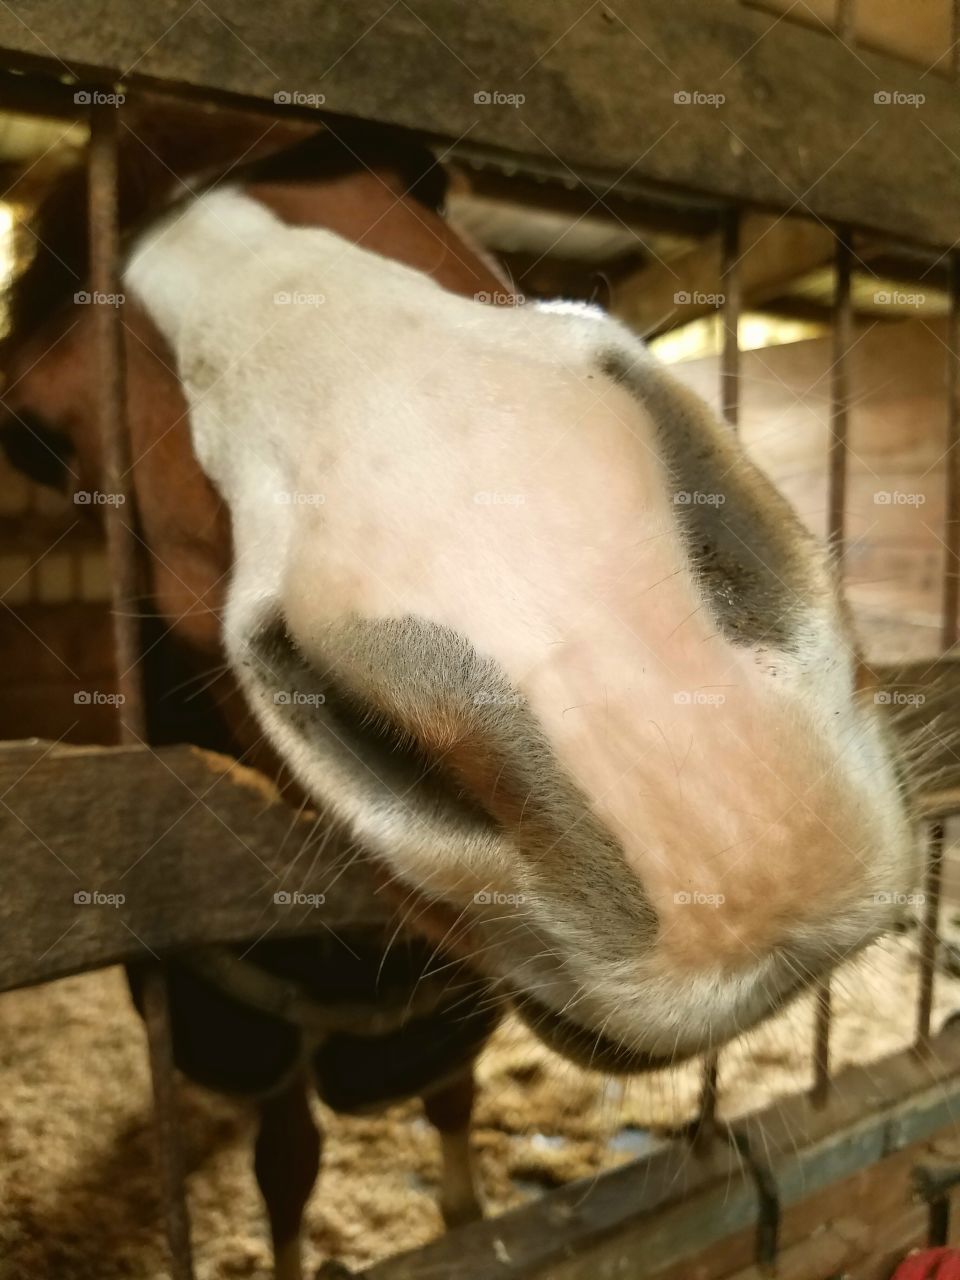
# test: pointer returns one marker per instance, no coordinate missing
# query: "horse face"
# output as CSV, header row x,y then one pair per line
x,y
515,607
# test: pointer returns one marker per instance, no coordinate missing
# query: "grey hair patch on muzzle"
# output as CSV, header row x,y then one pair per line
x,y
747,546
413,718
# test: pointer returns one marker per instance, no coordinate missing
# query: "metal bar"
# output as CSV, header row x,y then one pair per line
x,y
732,300
951,517
836,531
120,516
845,21
934,1185
156,1016
938,1223
767,1240
705,1125
122,546
840,398
820,1090
929,936
948,634
955,40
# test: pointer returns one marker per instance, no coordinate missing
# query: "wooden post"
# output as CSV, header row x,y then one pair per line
x,y
127,593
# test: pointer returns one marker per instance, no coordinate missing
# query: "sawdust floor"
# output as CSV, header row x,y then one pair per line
x,y
76,1181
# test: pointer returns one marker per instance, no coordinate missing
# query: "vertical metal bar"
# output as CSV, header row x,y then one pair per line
x,y
845,20
938,1223
950,599
836,530
705,1126
103,174
820,1090
732,300
929,937
840,399
955,40
951,517
120,517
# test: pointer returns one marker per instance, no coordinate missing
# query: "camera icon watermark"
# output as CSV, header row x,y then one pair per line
x,y
491,698
95,298
94,498
297,498
494,898
894,98
294,698
98,98
295,98
298,298
898,698
898,298
697,298
500,298
697,498
94,698
694,98
698,698
494,98
296,898
898,498
94,898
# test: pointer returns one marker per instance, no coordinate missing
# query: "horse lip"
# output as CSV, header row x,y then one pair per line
x,y
592,1049
587,1048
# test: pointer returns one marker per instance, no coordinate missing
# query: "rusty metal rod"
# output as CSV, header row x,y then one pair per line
x,y
951,517
845,20
823,1022
732,300
705,1126
840,398
930,936
127,593
110,368
836,531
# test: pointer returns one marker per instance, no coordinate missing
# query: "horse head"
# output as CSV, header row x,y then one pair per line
x,y
511,604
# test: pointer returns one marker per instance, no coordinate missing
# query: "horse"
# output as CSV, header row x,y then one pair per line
x,y
374,1026
505,599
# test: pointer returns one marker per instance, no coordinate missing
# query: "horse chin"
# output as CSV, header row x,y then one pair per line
x,y
593,1048
584,1047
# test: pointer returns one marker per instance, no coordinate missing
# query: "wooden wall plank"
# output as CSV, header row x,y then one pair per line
x,y
798,127
196,845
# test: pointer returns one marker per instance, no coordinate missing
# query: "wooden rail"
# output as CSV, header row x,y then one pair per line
x,y
199,849
658,1215
624,95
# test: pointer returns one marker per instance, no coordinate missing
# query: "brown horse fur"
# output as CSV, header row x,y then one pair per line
x,y
387,194
519,705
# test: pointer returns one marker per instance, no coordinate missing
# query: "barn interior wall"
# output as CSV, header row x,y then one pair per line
x,y
895,503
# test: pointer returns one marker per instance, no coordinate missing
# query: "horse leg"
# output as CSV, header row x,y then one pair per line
x,y
449,1109
287,1160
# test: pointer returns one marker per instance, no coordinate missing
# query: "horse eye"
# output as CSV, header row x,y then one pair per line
x,y
39,451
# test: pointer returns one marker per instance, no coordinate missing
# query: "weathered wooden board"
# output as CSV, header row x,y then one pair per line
x,y
774,251
197,847
647,1217
859,1228
608,92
